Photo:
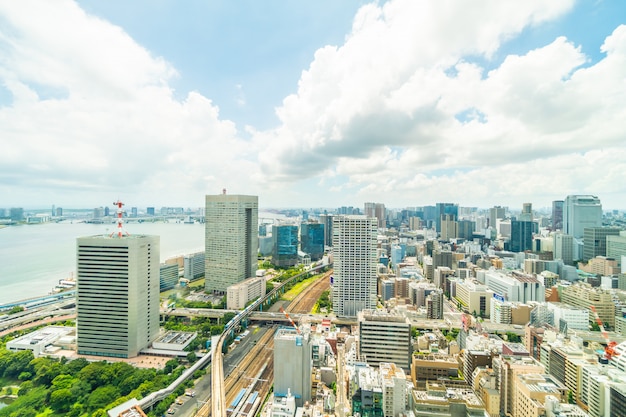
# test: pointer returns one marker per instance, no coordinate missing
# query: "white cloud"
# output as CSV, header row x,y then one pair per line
x,y
401,106
93,111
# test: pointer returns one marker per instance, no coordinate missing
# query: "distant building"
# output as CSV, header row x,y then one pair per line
x,y
557,215
521,236
594,241
285,245
16,214
231,240
117,299
312,240
564,248
193,266
327,221
168,276
150,211
580,211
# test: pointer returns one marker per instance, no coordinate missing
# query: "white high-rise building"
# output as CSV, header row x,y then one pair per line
x,y
580,211
117,300
231,240
354,250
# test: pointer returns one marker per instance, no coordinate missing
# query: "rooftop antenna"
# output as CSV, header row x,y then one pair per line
x,y
120,228
223,190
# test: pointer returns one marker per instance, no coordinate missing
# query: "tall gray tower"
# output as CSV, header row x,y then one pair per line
x,y
117,299
354,249
231,240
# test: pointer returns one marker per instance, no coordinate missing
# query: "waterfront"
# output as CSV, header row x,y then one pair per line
x,y
33,258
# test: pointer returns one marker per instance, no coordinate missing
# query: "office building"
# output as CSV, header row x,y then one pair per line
x,y
532,390
521,236
231,240
384,337
292,364
616,247
557,215
466,229
496,213
580,211
594,241
564,248
508,367
327,221
285,245
378,211
117,299
312,240
449,227
445,208
527,213
354,250
168,276
193,266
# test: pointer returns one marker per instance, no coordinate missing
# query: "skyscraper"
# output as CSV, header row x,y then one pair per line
x,y
354,247
521,236
285,245
580,211
557,214
231,240
312,240
376,210
117,300
496,213
594,241
327,221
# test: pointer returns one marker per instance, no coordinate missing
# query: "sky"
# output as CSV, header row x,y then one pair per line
x,y
312,104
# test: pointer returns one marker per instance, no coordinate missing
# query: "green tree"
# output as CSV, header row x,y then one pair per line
x,y
61,400
191,357
102,396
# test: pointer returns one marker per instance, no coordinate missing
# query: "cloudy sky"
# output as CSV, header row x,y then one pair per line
x,y
312,104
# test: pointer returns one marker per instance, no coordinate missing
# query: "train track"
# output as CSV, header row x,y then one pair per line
x,y
256,371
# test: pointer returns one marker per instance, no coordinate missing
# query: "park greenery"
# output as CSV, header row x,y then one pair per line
x,y
59,387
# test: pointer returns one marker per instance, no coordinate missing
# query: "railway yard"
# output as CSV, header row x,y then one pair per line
x,y
249,382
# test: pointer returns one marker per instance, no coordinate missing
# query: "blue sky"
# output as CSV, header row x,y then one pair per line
x,y
310,104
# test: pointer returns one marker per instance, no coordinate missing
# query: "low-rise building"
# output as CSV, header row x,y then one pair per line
x,y
241,293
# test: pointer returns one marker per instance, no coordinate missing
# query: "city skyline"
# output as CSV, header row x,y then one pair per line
x,y
486,104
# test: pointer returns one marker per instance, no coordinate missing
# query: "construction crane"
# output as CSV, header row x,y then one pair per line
x,y
609,349
282,310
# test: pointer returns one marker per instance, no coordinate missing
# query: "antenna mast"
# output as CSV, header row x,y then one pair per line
x,y
120,222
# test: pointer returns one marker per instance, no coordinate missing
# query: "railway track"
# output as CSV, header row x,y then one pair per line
x,y
255,373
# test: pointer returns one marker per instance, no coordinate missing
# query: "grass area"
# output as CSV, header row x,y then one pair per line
x,y
166,294
298,288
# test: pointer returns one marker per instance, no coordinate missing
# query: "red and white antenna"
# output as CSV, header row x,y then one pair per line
x,y
120,228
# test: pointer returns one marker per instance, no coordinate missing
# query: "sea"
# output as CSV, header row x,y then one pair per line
x,y
33,258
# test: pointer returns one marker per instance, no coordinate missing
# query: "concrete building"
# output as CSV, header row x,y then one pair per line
x,y
394,387
231,240
193,266
435,305
292,364
449,227
433,367
532,390
580,211
285,245
474,297
40,341
584,296
616,247
508,367
117,298
441,401
600,265
515,286
594,241
378,211
327,221
564,248
354,251
240,294
384,337
168,276
574,318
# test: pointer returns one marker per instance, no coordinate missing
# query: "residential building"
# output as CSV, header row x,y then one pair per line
x,y
117,294
394,387
532,390
378,211
584,296
354,251
231,240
